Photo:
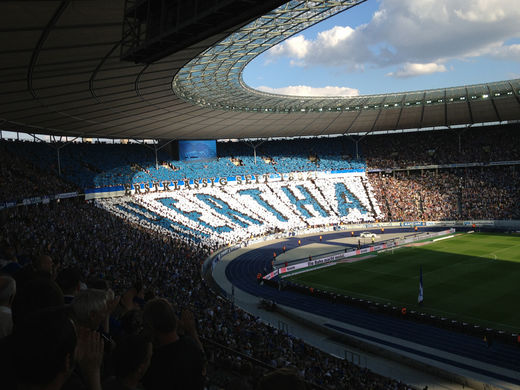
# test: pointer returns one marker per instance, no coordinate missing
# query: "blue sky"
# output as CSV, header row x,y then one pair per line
x,y
385,46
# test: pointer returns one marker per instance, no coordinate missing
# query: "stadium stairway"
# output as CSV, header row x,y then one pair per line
x,y
459,350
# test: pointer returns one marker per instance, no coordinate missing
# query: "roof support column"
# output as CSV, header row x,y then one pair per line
x,y
57,148
356,142
156,160
156,148
254,147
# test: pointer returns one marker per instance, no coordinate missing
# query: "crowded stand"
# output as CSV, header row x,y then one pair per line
x,y
101,165
460,145
416,197
473,193
114,260
86,164
113,255
20,179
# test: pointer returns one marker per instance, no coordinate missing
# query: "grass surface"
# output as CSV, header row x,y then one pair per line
x,y
461,278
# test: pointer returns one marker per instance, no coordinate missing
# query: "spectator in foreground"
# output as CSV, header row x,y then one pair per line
x,y
89,307
131,359
35,295
43,350
7,293
92,308
69,280
41,267
9,263
177,362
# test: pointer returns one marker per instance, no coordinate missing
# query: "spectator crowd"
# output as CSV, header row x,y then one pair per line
x,y
90,299
128,288
466,145
462,194
19,179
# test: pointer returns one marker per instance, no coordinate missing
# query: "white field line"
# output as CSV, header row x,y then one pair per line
x,y
503,249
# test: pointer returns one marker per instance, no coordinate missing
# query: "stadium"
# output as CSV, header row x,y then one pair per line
x,y
165,225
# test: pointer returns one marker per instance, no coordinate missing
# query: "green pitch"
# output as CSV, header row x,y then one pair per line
x,y
471,277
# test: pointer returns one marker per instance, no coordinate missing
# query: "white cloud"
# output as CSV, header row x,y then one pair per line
x,y
488,11
411,70
305,90
296,46
405,32
300,47
507,52
334,36
328,48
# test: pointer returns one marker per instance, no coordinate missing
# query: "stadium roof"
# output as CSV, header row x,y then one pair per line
x,y
61,73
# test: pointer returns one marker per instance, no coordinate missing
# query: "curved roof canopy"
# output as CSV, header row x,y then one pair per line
x,y
61,73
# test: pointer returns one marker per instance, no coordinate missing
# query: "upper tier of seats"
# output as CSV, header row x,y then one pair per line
x,y
102,165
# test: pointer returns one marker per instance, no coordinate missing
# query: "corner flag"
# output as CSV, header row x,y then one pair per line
x,y
420,298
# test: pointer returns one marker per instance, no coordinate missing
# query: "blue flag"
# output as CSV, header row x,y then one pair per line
x,y
420,298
